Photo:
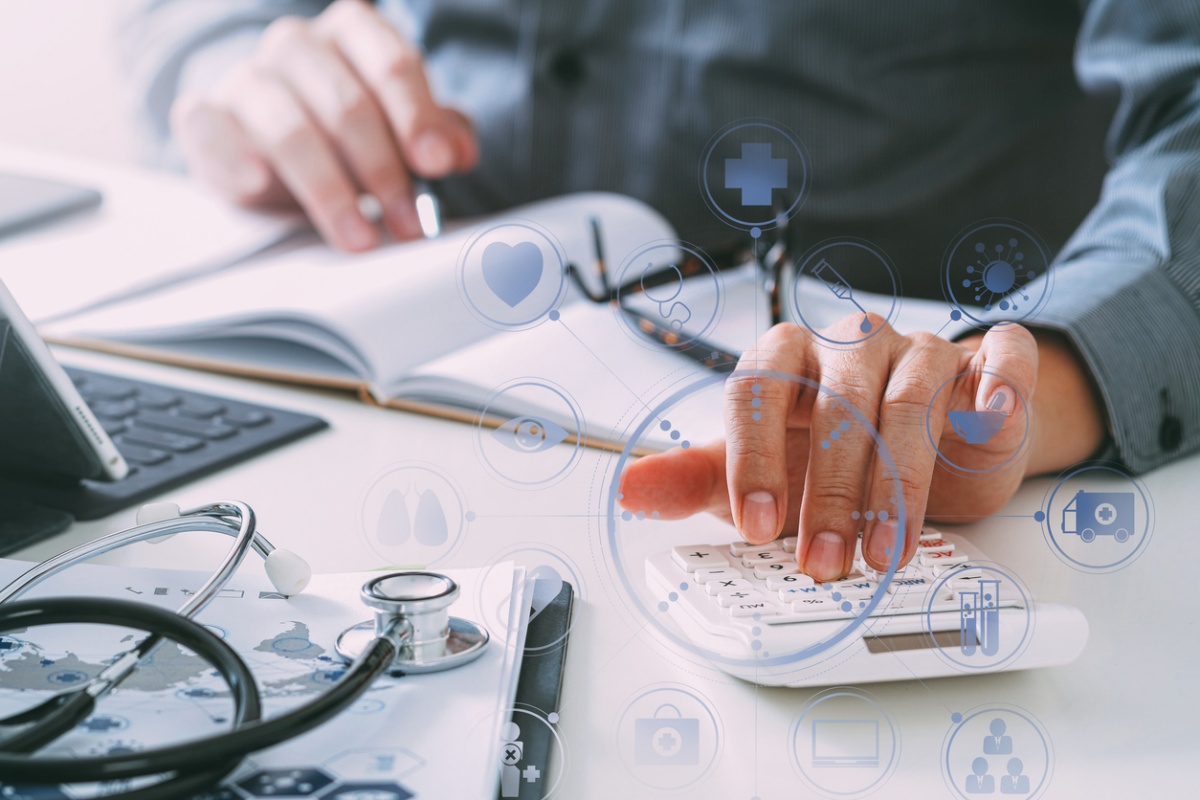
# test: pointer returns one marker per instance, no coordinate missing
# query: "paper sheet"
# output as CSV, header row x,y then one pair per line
x,y
433,736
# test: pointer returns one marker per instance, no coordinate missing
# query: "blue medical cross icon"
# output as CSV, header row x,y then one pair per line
x,y
756,173
667,741
1105,513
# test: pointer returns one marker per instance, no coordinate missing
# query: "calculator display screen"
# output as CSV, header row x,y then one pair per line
x,y
912,641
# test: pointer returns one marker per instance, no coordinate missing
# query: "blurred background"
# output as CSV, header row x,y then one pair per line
x,y
61,81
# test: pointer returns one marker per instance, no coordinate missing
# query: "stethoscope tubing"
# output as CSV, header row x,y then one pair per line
x,y
250,732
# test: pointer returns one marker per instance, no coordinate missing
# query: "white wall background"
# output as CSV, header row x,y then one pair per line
x,y
61,87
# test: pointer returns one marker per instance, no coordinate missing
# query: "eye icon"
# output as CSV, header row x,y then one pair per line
x,y
529,434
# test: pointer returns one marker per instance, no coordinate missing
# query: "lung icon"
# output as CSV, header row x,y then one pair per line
x,y
427,524
394,527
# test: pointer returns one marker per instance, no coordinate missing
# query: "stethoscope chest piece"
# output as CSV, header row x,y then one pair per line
x,y
414,607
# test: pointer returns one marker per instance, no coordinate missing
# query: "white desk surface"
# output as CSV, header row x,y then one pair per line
x,y
1122,718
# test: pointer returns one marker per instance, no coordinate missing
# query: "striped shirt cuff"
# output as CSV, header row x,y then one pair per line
x,y
1140,337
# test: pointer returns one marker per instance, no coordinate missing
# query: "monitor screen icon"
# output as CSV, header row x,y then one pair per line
x,y
845,743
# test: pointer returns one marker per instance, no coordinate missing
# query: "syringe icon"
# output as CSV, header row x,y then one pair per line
x,y
828,275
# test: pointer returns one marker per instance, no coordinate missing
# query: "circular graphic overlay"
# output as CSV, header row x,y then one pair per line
x,y
844,743
412,514
654,571
670,295
832,282
998,750
979,616
522,772
530,433
512,275
754,174
669,736
997,266
973,440
1098,518
552,568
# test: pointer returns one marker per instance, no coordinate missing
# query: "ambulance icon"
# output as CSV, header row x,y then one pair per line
x,y
1092,514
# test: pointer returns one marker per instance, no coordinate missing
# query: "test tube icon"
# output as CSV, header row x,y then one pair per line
x,y
989,616
968,609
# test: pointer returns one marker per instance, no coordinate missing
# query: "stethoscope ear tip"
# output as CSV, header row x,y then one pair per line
x,y
289,573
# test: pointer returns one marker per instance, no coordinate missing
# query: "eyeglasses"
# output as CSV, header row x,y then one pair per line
x,y
770,266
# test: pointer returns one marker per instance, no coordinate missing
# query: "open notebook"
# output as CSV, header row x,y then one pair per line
x,y
397,326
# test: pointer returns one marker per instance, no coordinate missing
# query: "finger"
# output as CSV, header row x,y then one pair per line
x,y
301,156
758,408
433,141
678,483
912,414
842,451
1007,363
351,119
218,151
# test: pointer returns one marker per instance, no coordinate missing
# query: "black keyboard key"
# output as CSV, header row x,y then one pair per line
x,y
103,388
157,399
246,418
192,427
109,409
142,456
163,440
200,408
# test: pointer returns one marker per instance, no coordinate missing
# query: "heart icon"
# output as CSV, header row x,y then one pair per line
x,y
512,272
548,583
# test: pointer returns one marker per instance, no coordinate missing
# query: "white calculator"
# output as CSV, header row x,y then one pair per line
x,y
749,610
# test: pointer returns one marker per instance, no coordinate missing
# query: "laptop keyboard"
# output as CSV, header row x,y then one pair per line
x,y
169,437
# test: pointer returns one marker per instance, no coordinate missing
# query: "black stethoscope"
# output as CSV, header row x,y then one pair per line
x,y
412,633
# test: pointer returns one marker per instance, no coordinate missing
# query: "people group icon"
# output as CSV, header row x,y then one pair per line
x,y
981,781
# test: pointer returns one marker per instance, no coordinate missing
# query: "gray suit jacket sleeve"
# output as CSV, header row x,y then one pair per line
x,y
170,45
1127,285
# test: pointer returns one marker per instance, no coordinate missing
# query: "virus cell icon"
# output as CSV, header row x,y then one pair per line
x,y
998,275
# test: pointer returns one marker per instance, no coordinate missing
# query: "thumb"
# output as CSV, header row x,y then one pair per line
x,y
678,483
1007,361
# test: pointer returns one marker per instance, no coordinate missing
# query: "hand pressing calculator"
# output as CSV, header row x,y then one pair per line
x,y
750,611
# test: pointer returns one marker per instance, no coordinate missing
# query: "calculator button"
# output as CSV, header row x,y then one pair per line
x,y
727,585
703,576
738,549
789,544
855,590
942,559
248,418
796,592
909,585
929,534
765,571
811,605
698,557
748,595
751,609
760,556
792,581
935,546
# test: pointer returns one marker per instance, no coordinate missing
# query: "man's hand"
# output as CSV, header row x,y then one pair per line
x,y
325,109
773,474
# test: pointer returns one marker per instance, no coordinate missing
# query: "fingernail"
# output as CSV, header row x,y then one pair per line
x,y
760,518
434,154
880,545
402,218
354,231
1000,399
826,556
